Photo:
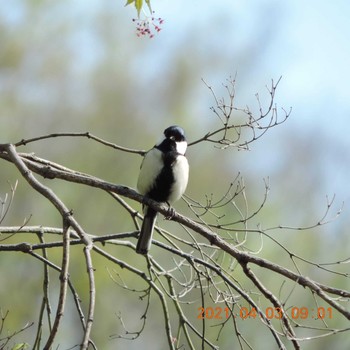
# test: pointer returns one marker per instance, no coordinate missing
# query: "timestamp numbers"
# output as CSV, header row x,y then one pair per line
x,y
270,313
305,312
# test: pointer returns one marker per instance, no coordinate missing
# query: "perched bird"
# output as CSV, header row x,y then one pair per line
x,y
163,178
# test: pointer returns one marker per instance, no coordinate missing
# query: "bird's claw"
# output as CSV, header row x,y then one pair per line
x,y
170,214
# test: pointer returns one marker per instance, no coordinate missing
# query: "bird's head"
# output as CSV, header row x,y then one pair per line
x,y
177,134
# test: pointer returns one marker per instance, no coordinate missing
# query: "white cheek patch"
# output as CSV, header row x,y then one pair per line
x,y
181,147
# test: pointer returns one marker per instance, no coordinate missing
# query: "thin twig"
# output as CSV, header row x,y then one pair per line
x,y
24,142
63,286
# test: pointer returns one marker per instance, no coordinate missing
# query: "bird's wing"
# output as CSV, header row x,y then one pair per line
x,y
150,168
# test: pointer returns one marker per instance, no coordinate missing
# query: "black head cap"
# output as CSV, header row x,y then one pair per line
x,y
175,132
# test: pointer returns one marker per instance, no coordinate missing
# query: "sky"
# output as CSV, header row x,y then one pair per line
x,y
308,47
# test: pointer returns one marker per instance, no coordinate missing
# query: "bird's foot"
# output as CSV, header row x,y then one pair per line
x,y
170,214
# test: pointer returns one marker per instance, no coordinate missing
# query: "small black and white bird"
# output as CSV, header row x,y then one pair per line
x,y
163,178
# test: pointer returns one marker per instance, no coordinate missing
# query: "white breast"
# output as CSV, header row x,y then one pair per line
x,y
180,171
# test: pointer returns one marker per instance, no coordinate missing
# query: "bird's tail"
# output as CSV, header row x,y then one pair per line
x,y
145,238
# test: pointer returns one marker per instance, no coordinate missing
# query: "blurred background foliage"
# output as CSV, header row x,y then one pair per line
x,y
78,66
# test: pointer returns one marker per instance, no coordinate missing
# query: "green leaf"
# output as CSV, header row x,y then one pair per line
x,y
20,346
138,5
148,2
129,2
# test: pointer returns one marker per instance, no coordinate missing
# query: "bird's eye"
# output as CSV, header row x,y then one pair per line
x,y
172,137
